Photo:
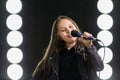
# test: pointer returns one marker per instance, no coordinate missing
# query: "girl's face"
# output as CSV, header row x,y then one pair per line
x,y
65,27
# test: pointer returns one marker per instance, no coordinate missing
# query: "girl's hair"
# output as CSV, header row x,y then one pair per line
x,y
55,43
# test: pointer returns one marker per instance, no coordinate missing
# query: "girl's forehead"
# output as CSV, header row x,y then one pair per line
x,y
64,22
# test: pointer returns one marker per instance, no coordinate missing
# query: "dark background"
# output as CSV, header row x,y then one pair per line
x,y
38,17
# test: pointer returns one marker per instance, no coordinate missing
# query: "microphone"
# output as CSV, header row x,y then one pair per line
x,y
75,33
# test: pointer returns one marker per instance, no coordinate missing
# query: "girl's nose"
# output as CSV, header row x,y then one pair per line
x,y
68,31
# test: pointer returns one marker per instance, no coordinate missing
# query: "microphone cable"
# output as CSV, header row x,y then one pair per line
x,y
103,56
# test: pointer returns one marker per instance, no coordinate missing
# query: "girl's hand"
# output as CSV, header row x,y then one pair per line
x,y
86,42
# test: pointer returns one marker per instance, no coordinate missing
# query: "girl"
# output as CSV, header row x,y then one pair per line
x,y
68,57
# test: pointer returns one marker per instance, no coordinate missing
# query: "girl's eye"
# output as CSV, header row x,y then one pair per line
x,y
70,26
62,30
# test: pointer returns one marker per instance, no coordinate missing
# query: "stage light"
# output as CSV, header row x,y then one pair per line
x,y
105,6
13,6
107,56
15,71
14,55
106,37
105,22
14,38
106,73
14,22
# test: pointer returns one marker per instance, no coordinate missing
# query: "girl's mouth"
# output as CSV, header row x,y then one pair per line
x,y
70,36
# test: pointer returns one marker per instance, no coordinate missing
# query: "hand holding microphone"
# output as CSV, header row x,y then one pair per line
x,y
85,37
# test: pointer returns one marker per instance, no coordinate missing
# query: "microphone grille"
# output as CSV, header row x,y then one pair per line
x,y
75,33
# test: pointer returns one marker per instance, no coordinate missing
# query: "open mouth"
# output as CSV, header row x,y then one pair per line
x,y
70,36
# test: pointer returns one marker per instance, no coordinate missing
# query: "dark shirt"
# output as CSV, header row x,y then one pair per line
x,y
68,68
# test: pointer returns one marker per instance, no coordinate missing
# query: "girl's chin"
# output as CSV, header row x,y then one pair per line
x,y
71,41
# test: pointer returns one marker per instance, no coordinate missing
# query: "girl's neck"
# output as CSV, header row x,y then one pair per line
x,y
70,45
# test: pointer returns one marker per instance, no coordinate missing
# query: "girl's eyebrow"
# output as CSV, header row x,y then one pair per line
x,y
60,27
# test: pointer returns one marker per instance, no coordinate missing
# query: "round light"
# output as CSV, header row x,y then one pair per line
x,y
14,55
106,37
108,55
14,22
106,73
105,22
15,71
105,6
14,38
13,6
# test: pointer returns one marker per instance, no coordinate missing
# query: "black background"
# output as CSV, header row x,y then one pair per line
x,y
38,17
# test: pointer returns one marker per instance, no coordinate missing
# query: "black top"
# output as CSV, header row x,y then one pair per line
x,y
68,68
71,65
